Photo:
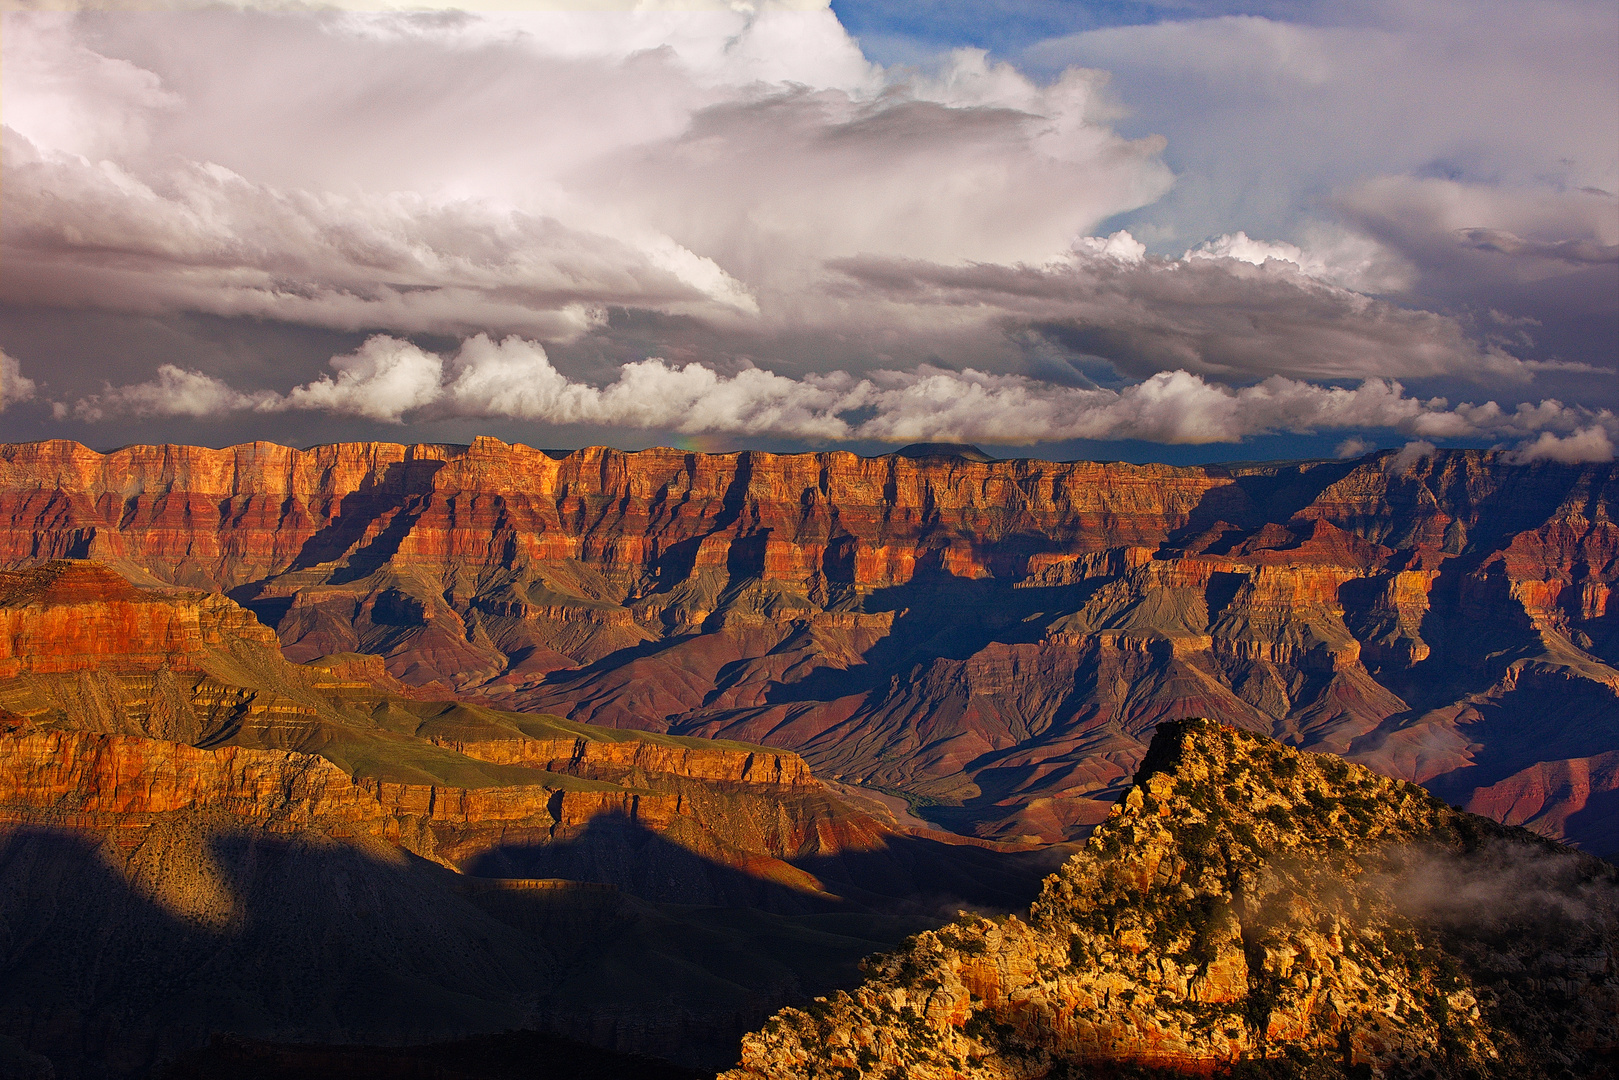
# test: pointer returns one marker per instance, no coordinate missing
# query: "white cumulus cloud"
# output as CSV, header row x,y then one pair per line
x,y
1586,444
390,379
14,385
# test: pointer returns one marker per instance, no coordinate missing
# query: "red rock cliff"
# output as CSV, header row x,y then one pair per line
x,y
997,638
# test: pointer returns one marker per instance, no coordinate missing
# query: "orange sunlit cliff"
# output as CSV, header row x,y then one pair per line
x,y
996,639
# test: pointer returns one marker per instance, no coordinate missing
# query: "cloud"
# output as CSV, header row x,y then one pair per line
x,y
1119,245
1587,444
388,378
515,378
175,392
709,177
1547,256
1213,314
1354,447
383,380
14,386
1499,884
206,239
1337,257
70,97
731,198
1266,113
1468,150
1409,455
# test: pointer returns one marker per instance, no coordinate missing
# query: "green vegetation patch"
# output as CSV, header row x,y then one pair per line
x,y
478,723
400,759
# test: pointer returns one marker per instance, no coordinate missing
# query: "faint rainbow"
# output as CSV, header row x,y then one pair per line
x,y
704,444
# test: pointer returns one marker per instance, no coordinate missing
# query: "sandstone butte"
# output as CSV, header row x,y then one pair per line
x,y
199,835
1249,910
994,640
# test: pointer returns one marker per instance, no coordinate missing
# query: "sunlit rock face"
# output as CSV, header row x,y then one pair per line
x,y
996,639
1248,907
198,835
121,703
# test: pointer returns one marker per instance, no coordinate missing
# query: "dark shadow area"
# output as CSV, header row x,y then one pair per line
x,y
293,938
618,658
1595,827
1222,589
290,937
1283,490
676,562
1576,719
617,849
1255,499
1473,630
512,1055
909,875
400,492
745,558
269,611
402,484
940,616
1520,499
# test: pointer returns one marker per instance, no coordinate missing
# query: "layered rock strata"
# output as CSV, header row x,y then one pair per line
x,y
198,836
123,704
993,639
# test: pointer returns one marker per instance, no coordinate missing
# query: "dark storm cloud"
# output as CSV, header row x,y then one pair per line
x,y
719,220
1215,316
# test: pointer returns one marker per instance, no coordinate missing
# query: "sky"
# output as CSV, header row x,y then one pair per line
x,y
1190,231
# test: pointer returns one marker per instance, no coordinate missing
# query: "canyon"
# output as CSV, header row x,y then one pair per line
x,y
198,835
992,641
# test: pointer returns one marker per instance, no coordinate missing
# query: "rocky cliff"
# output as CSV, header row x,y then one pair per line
x,y
123,703
993,639
199,836
1249,910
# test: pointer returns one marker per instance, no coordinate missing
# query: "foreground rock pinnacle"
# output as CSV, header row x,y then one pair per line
x,y
1248,909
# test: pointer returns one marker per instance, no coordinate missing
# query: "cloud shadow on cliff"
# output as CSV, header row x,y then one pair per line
x,y
116,955
905,876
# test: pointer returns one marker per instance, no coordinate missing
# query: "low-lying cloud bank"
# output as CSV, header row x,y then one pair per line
x,y
389,379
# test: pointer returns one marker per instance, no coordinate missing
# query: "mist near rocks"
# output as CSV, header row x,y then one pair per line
x,y
1503,884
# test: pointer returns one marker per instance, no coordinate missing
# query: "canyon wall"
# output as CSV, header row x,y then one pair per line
x,y
119,705
993,640
199,836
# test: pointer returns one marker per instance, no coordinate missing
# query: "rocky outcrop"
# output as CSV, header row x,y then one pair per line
x,y
69,616
1248,903
996,639
696,759
117,783
198,836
